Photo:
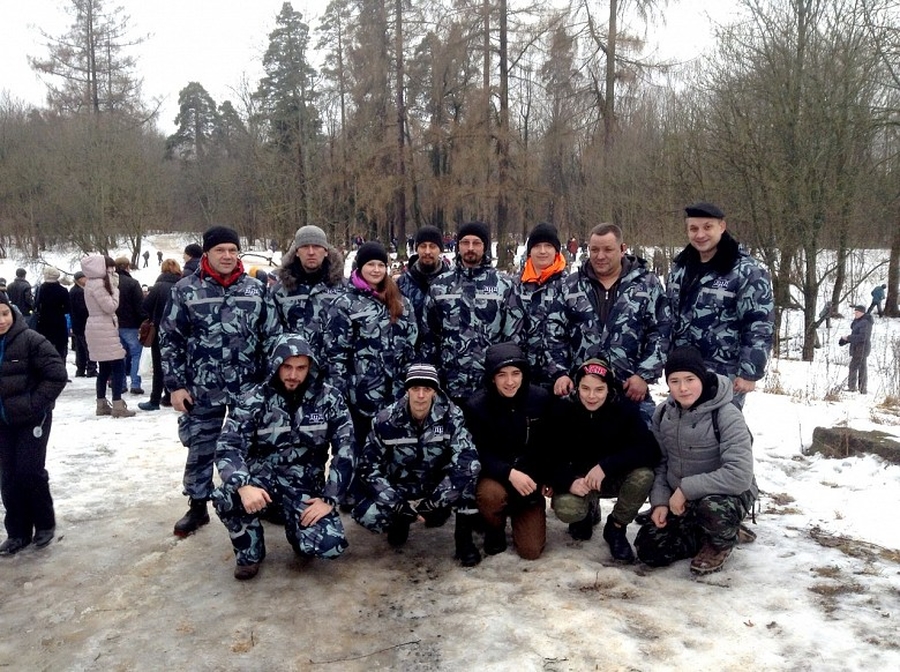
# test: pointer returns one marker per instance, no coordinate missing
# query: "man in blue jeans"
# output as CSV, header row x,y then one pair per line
x,y
130,314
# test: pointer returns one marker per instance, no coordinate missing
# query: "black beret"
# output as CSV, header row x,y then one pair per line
x,y
704,210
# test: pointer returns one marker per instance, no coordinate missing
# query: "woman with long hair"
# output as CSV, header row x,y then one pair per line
x,y
154,306
101,295
370,339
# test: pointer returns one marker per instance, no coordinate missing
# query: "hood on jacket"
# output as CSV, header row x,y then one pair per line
x,y
94,266
333,265
291,345
500,355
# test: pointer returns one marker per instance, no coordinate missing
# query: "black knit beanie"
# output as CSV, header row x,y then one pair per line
x,y
479,229
687,358
371,251
219,235
543,233
430,234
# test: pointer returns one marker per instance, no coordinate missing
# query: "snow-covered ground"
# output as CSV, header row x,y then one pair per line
x,y
819,590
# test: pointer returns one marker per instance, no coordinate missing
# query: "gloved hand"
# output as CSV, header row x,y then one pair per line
x,y
842,341
405,513
433,515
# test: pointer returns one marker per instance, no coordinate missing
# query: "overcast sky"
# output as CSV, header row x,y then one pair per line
x,y
219,42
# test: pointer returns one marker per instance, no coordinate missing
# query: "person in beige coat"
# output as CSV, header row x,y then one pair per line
x,y
101,295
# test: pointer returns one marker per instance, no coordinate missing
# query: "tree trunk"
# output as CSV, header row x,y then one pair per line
x,y
891,308
503,233
400,192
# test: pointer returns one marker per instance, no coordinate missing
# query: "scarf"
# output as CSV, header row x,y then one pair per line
x,y
225,281
529,274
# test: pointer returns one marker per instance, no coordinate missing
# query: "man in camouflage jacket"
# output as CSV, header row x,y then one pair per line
x,y
613,307
424,267
214,338
465,314
722,301
310,278
419,450
272,453
531,298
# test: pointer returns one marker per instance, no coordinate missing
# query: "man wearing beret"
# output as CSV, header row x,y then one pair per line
x,y
214,340
612,307
722,302
532,295
465,313
424,267
311,276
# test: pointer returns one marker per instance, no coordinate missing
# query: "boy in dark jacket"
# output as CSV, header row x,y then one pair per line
x,y
606,450
507,419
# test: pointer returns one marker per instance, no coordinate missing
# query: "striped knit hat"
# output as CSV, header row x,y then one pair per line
x,y
424,375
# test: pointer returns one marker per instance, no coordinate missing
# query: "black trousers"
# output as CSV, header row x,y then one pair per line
x,y
24,482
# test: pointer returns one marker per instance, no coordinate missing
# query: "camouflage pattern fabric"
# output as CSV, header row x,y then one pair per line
x,y
282,445
634,341
414,285
303,310
715,518
527,319
367,354
214,340
402,462
630,493
464,315
198,431
729,317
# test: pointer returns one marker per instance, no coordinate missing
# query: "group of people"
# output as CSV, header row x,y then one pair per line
x,y
456,389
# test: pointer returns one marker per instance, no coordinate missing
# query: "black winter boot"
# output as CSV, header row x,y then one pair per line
x,y
583,530
494,540
193,519
466,552
619,547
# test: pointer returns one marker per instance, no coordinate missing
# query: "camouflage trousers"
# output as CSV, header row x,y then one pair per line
x,y
198,431
376,514
630,492
325,539
715,518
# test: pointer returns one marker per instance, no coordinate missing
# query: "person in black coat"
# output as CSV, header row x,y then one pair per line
x,y
506,419
32,375
51,306
84,366
155,305
860,341
605,450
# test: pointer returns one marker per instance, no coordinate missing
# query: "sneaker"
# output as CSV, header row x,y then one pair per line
x,y
246,572
136,390
709,559
43,537
13,545
148,406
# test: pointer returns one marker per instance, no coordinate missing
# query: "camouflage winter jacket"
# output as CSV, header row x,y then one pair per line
x,y
635,338
414,285
214,340
367,355
280,436
302,299
402,461
464,315
527,319
727,311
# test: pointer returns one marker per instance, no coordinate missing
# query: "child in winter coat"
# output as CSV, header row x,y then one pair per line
x,y
32,374
605,450
704,485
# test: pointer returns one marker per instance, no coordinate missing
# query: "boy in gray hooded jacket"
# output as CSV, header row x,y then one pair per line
x,y
704,484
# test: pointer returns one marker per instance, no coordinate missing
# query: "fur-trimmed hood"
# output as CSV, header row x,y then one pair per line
x,y
290,272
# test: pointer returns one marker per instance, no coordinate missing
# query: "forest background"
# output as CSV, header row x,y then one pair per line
x,y
379,116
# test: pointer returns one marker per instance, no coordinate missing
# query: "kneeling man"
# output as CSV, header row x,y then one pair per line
x,y
271,454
